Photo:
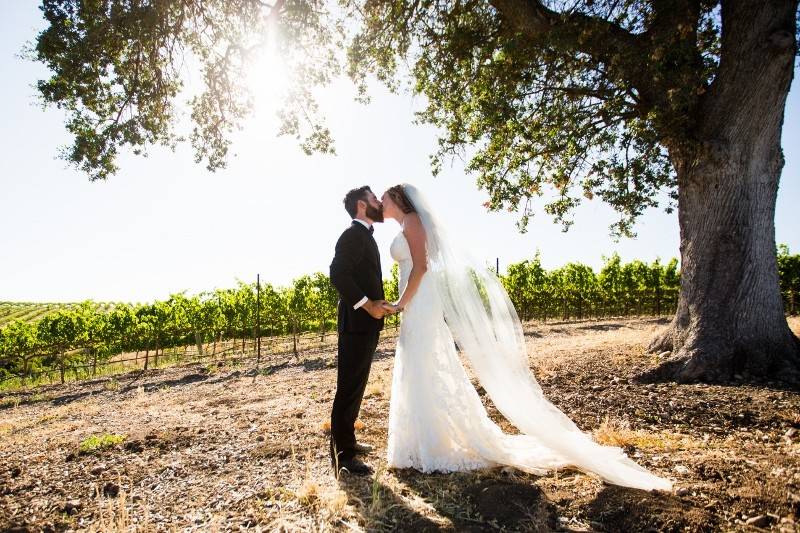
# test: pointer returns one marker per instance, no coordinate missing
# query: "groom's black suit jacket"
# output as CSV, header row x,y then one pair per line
x,y
356,272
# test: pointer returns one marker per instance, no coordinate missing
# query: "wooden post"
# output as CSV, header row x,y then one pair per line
x,y
258,319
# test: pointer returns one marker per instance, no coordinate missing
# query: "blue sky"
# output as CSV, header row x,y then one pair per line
x,y
164,224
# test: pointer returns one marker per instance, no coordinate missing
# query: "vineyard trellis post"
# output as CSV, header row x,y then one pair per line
x,y
258,320
77,341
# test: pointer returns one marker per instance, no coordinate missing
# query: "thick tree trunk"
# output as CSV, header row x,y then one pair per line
x,y
730,318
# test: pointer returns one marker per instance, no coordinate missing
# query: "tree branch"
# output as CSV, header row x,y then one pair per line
x,y
571,32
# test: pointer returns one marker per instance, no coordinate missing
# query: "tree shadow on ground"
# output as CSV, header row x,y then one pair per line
x,y
326,361
33,398
56,393
382,509
600,327
204,376
188,379
665,372
383,354
320,363
625,509
484,499
575,321
70,396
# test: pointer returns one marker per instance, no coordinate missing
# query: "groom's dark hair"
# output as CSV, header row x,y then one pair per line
x,y
352,197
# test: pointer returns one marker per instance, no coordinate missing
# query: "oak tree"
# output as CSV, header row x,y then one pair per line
x,y
630,101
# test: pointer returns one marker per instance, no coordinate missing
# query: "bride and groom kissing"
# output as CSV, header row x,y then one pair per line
x,y
452,307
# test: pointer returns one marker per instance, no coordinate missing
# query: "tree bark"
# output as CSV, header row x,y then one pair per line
x,y
730,318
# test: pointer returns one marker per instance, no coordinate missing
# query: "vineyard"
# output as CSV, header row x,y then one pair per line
x,y
30,312
40,343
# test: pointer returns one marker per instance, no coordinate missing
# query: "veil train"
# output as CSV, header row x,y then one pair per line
x,y
488,331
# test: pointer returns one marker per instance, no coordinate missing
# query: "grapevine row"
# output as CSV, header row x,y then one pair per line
x,y
88,335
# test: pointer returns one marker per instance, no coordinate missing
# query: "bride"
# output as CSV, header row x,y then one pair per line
x,y
436,419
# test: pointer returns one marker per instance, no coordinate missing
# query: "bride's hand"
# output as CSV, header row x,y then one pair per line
x,y
392,308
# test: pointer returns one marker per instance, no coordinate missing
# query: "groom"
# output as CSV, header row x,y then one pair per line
x,y
356,274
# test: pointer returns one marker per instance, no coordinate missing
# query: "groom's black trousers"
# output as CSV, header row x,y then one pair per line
x,y
355,358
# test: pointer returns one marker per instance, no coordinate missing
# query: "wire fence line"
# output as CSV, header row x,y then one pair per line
x,y
273,351
82,339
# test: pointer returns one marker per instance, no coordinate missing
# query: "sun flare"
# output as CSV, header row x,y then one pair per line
x,y
267,79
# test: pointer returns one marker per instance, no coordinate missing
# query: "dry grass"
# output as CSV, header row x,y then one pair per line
x,y
792,417
310,494
113,515
232,452
10,402
325,426
330,503
616,433
380,386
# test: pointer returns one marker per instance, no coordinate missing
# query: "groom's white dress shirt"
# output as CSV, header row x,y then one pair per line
x,y
363,300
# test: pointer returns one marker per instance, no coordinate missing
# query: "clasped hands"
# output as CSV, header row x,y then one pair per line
x,y
379,308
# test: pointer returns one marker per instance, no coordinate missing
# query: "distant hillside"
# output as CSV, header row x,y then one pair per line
x,y
30,311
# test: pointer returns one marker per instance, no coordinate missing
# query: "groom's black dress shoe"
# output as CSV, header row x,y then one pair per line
x,y
363,449
354,466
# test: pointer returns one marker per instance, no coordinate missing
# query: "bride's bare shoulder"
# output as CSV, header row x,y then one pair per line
x,y
412,223
414,233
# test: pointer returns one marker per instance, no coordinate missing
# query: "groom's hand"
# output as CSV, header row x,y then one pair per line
x,y
390,308
375,308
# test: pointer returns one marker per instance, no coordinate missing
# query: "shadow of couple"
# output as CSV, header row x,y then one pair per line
x,y
499,499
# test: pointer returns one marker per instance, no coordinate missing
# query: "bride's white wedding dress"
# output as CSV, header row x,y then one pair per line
x,y
437,421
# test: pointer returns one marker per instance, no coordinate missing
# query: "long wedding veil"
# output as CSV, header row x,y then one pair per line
x,y
488,332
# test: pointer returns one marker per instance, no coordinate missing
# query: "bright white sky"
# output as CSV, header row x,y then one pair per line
x,y
164,224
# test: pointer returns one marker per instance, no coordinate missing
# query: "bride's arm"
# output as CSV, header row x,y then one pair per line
x,y
415,235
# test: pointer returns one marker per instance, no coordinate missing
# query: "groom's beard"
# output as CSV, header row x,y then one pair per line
x,y
375,214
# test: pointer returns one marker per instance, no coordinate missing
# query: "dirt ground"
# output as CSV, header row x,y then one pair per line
x,y
221,447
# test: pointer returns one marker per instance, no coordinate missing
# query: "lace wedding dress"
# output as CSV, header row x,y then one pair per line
x,y
437,421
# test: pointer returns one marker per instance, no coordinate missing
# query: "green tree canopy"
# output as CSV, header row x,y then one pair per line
x,y
621,99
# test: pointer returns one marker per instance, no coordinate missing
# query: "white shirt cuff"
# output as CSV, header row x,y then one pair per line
x,y
361,302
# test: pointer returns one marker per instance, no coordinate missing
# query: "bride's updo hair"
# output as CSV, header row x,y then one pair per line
x,y
399,196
